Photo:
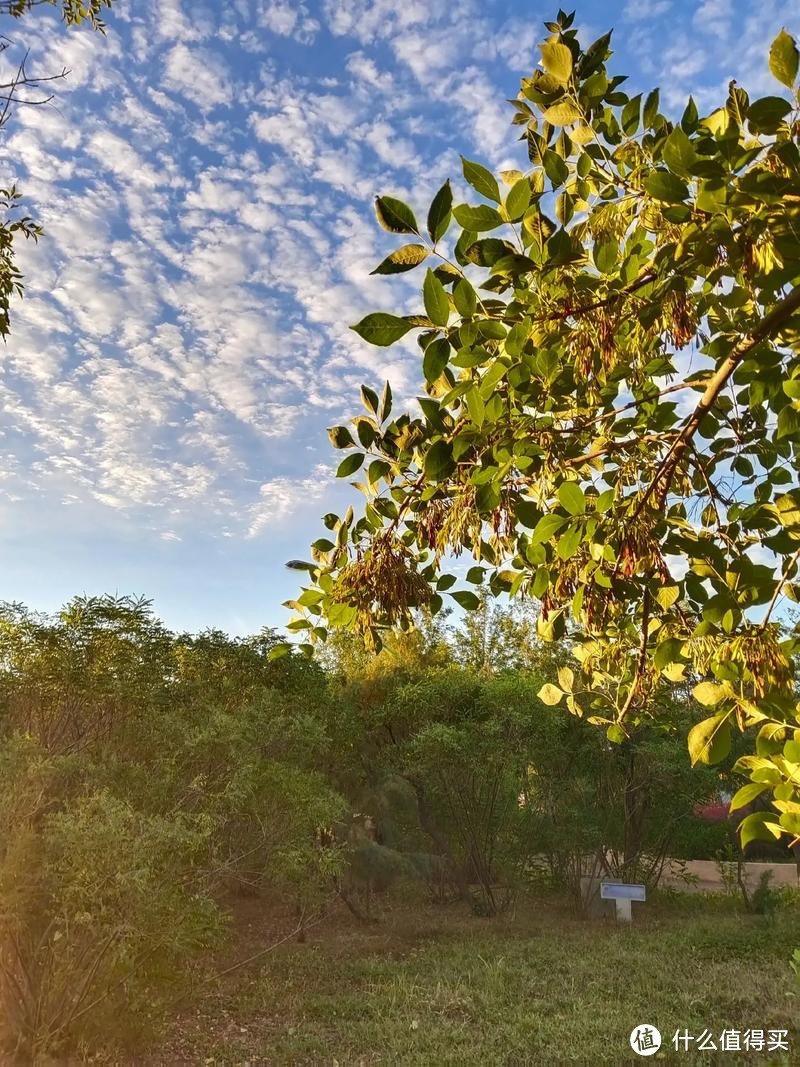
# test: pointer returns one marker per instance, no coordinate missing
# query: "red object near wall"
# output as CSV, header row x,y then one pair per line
x,y
712,812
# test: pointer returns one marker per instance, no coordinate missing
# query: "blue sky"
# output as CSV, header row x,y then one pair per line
x,y
205,177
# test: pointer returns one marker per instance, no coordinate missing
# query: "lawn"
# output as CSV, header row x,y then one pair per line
x,y
436,986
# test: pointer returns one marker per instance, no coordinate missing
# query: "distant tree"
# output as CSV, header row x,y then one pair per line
x,y
26,89
611,414
403,652
498,636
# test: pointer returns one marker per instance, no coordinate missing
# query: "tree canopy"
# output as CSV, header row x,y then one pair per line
x,y
610,420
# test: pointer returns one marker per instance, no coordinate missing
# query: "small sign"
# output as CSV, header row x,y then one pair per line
x,y
621,891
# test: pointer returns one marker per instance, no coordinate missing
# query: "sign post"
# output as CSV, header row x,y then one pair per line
x,y
622,894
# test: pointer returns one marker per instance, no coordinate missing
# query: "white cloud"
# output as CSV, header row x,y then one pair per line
x,y
287,18
370,20
280,498
366,70
199,75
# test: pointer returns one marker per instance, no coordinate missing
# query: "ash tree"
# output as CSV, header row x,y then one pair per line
x,y
610,416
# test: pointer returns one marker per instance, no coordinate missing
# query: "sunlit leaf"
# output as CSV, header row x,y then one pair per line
x,y
382,329
784,58
402,259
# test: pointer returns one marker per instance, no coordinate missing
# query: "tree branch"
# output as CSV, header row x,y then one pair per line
x,y
641,662
778,588
771,322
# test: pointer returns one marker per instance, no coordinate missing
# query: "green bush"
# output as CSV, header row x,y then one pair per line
x,y
142,777
701,839
100,916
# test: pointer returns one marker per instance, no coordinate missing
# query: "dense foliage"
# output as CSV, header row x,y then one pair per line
x,y
143,772
611,415
148,778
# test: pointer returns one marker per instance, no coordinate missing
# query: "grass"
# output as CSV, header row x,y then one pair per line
x,y
434,986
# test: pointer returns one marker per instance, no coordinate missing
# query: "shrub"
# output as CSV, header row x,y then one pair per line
x,y
142,775
98,919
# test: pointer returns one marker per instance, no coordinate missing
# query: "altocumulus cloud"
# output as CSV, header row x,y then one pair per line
x,y
206,183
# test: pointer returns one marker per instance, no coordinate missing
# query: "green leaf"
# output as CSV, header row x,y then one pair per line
x,y
386,403
790,821
436,357
630,115
475,406
341,614
364,428
341,437
541,582
651,108
678,152
767,113
466,599
322,544
710,740
394,215
555,168
437,302
405,258
690,117
564,113
439,213
571,497
481,179
487,497
770,739
378,469
788,422
784,58
369,398
747,794
382,329
350,465
662,185
708,694
439,461
605,254
667,652
477,218
550,694
518,199
712,195
553,627
557,61
754,828
667,595
527,513
309,597
465,298
546,527
568,542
